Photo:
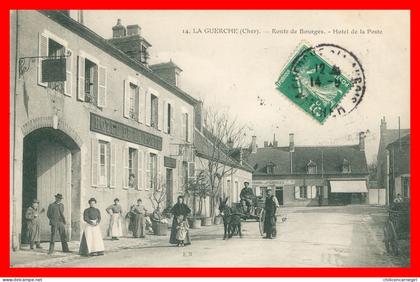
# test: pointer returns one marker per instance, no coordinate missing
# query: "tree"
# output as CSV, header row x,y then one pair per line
x,y
198,188
225,135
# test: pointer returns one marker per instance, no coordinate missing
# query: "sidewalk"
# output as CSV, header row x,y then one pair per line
x,y
40,257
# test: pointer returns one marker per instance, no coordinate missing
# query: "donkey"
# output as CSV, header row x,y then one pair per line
x,y
231,220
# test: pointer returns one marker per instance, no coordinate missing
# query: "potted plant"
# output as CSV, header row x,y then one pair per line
x,y
159,219
198,189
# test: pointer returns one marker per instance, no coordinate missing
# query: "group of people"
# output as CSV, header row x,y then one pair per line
x,y
91,243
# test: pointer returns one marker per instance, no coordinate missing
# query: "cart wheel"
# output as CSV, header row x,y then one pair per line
x,y
261,221
394,240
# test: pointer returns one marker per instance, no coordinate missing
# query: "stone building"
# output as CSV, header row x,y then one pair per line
x,y
113,117
310,175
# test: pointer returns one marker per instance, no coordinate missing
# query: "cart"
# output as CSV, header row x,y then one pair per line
x,y
256,212
397,228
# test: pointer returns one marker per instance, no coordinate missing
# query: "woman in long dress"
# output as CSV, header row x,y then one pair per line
x,y
92,243
179,209
33,226
115,226
138,212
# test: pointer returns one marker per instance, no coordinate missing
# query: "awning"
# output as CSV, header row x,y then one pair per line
x,y
349,186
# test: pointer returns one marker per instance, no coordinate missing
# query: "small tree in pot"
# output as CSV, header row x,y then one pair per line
x,y
198,189
158,219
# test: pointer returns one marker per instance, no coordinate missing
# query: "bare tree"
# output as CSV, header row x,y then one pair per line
x,y
224,135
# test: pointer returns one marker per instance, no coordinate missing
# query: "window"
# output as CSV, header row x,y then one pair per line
x,y
185,126
154,101
132,168
103,166
168,119
311,166
91,77
104,163
134,102
152,177
229,189
56,50
303,192
270,168
236,191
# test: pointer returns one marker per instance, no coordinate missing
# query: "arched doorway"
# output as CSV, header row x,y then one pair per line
x,y
51,165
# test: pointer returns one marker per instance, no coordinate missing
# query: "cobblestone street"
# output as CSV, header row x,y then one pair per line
x,y
349,236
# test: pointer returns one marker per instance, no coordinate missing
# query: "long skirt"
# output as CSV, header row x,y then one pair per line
x,y
270,225
91,241
173,240
137,225
115,226
33,232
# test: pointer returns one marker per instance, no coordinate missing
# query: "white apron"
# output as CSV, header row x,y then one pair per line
x,y
93,238
115,228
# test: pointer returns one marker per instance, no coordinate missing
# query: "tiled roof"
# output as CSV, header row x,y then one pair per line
x,y
328,159
204,148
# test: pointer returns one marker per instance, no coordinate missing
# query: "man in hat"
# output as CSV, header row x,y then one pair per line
x,y
247,197
270,215
33,226
55,214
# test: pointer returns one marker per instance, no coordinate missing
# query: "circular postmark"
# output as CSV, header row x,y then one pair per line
x,y
328,80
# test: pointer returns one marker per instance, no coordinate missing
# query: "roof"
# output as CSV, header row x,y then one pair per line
x,y
405,140
165,65
389,136
204,148
328,159
107,47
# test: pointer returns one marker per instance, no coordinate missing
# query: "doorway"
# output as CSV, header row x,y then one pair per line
x,y
169,187
279,195
51,165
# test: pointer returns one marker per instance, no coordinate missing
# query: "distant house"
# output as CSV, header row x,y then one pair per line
x,y
399,168
387,136
310,175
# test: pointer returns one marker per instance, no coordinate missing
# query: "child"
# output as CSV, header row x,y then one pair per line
x,y
181,230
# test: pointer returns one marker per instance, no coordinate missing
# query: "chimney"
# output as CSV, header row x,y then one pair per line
x,y
254,144
275,143
383,126
362,137
265,144
118,30
168,71
291,142
130,41
198,115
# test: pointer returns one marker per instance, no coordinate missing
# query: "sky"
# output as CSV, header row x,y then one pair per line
x,y
235,72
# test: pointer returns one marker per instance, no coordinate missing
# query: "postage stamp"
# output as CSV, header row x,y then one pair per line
x,y
317,85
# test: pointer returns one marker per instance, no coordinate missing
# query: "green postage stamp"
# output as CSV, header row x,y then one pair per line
x,y
313,83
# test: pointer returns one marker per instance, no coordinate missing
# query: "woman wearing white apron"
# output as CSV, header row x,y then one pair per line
x,y
92,243
115,227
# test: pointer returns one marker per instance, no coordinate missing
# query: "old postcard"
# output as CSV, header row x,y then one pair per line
x,y
210,138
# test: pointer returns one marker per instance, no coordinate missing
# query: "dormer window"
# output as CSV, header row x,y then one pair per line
x,y
311,167
270,168
346,168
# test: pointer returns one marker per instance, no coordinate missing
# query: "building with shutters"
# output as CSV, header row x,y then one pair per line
x,y
115,128
310,175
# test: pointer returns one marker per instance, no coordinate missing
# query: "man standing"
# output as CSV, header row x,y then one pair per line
x,y
247,197
55,214
270,216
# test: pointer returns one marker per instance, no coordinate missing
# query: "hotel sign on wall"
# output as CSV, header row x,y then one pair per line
x,y
124,132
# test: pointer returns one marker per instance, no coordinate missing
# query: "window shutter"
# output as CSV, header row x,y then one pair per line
x,y
126,168
160,113
183,126
42,52
160,182
308,192
95,162
140,165
191,171
81,78
165,116
148,111
101,87
68,84
189,128
147,169
142,104
126,91
297,192
113,167
174,123
313,192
